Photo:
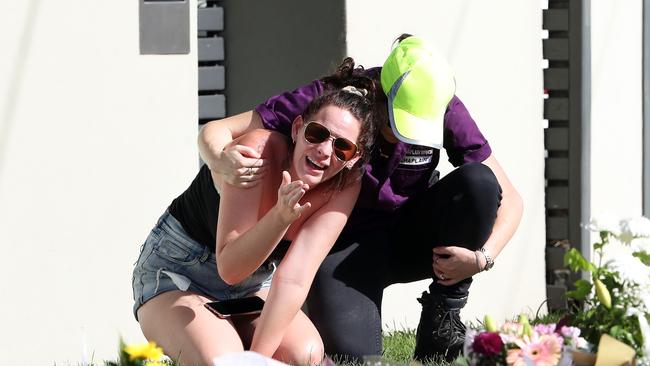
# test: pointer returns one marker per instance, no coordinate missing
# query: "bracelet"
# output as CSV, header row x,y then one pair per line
x,y
478,263
489,262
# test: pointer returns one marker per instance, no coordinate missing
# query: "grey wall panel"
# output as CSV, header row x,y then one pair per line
x,y
273,46
164,27
556,49
556,138
557,198
556,19
556,78
210,19
555,258
557,168
212,78
212,106
211,49
556,108
556,297
557,228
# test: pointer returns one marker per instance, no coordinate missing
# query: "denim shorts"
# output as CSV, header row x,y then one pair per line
x,y
171,260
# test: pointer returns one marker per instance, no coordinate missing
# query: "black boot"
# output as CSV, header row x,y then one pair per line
x,y
440,333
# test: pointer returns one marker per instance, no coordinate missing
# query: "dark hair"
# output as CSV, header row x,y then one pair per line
x,y
347,74
361,107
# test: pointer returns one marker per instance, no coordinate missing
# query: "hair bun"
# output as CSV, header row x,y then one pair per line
x,y
354,90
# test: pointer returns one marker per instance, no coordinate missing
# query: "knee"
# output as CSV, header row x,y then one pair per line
x,y
308,352
479,180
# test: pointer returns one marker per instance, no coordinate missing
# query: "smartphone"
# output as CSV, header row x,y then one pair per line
x,y
242,306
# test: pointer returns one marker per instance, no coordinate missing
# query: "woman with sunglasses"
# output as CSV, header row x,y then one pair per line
x,y
268,240
407,224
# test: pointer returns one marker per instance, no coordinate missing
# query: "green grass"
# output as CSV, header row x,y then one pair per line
x,y
398,348
397,351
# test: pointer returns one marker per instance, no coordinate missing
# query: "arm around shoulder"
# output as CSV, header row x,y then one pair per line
x,y
214,136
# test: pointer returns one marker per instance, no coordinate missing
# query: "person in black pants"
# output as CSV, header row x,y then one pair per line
x,y
460,208
406,225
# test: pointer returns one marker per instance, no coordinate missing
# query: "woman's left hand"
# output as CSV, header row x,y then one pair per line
x,y
453,264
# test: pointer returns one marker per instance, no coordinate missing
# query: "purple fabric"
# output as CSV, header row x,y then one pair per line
x,y
390,179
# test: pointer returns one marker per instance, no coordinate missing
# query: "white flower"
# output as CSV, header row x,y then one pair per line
x,y
644,296
636,227
605,222
629,267
640,245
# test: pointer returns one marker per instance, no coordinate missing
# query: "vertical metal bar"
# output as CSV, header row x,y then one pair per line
x,y
579,124
646,108
585,155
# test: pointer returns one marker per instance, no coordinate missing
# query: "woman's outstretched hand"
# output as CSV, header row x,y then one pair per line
x,y
289,194
240,166
453,264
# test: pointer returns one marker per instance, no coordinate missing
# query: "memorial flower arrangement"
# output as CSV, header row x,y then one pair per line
x,y
518,343
612,298
616,298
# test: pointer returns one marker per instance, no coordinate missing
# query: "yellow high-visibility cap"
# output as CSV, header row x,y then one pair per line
x,y
419,84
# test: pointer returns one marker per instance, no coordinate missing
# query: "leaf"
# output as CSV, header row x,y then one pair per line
x,y
643,257
583,289
574,260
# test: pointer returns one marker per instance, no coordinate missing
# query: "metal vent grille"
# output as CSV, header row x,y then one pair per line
x,y
211,55
566,139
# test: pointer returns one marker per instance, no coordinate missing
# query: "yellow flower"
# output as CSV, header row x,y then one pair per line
x,y
145,351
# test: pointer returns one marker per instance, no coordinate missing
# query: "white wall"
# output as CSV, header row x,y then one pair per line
x,y
616,107
95,141
495,49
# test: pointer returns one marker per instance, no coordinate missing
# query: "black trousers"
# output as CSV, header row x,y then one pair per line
x,y
345,299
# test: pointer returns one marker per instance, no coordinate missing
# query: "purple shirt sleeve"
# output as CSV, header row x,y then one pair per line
x,y
279,112
463,141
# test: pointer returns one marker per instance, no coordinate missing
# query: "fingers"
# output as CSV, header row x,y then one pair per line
x,y
295,195
251,173
286,179
303,208
247,151
443,250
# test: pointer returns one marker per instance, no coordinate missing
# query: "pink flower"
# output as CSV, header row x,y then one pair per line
x,y
545,328
544,350
488,344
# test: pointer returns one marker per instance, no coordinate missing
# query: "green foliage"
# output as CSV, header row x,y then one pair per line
x,y
598,312
643,257
583,289
576,262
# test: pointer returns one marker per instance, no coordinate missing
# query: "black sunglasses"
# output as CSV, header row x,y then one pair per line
x,y
344,149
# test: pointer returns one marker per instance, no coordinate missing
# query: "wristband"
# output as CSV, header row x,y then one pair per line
x,y
489,262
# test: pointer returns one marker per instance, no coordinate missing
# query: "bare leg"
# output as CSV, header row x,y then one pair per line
x,y
187,331
301,344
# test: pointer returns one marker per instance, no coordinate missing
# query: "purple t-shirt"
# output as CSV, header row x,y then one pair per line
x,y
390,179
